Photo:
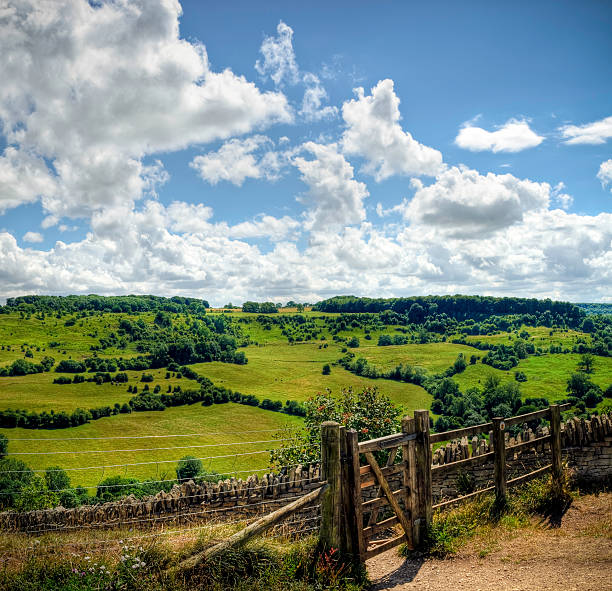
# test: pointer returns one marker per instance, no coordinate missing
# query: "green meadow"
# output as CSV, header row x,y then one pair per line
x,y
277,369
220,430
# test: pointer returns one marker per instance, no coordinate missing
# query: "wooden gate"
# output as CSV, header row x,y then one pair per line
x,y
397,486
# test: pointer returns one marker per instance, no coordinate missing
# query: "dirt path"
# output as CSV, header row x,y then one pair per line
x,y
576,556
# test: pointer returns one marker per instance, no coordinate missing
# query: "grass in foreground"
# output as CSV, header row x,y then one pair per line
x,y
67,563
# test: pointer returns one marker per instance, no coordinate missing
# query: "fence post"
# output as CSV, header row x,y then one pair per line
x,y
555,443
499,447
422,467
409,428
354,513
331,534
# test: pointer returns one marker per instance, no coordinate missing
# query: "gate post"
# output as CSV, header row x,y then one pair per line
x,y
422,468
353,501
331,534
555,443
499,447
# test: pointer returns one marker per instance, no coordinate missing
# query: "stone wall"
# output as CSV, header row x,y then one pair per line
x,y
587,450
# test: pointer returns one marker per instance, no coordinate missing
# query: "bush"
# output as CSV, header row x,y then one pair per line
x,y
14,475
56,478
3,445
326,369
188,468
113,487
35,495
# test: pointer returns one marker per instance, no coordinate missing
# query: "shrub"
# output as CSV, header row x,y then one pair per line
x,y
56,478
189,468
3,445
326,369
35,495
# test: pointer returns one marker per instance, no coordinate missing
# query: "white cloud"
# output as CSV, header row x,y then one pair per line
x,y
597,132
373,131
312,103
94,89
605,173
235,161
32,237
23,178
563,200
278,57
515,135
280,64
334,197
266,226
464,203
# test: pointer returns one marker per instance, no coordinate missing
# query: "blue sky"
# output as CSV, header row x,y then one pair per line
x,y
281,151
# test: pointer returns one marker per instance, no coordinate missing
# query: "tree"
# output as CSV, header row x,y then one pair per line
x,y
326,369
459,364
579,384
416,314
56,478
586,363
189,468
353,342
35,495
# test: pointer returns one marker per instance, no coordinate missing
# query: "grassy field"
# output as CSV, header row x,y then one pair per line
x,y
38,392
217,426
540,336
546,375
434,357
282,372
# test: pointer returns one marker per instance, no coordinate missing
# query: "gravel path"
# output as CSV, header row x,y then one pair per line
x,y
576,556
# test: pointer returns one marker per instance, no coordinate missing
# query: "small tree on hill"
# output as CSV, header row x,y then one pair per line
x,y
189,468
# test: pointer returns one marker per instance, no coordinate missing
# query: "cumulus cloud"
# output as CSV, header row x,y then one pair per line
x,y
95,88
278,57
312,103
23,178
373,131
267,226
280,64
515,135
597,132
32,237
334,197
236,160
463,203
605,173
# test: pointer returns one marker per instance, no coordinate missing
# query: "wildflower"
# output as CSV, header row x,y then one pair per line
x,y
365,430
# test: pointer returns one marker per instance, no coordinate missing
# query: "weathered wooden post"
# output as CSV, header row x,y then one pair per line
x,y
353,501
555,443
422,466
409,427
499,447
331,534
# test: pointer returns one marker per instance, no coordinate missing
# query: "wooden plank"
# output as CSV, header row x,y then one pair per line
x,y
390,461
524,444
385,442
389,494
530,416
379,502
257,528
499,445
445,504
369,478
474,460
384,546
423,511
526,477
376,528
459,433
352,452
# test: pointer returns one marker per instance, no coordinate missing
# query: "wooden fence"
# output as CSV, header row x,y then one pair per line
x,y
352,524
